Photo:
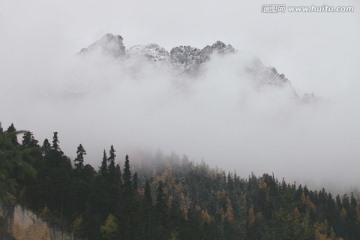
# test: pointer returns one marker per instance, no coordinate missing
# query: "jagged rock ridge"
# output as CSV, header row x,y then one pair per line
x,y
109,44
151,51
185,59
190,58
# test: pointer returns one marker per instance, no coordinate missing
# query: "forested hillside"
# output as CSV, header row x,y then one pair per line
x,y
164,198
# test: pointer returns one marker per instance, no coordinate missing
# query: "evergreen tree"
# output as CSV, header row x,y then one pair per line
x,y
161,199
14,171
12,133
55,142
46,147
147,207
128,203
111,162
104,167
127,177
29,140
118,175
112,154
161,231
79,160
148,203
135,182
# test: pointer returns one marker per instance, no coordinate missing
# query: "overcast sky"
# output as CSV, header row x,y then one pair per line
x,y
318,52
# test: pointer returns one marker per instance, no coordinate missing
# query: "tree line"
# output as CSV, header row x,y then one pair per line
x,y
166,198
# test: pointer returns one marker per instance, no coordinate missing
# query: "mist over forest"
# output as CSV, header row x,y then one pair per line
x,y
179,120
220,117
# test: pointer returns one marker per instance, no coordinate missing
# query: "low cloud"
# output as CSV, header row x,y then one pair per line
x,y
220,116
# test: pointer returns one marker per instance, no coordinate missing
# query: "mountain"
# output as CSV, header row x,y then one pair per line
x,y
152,52
189,60
267,75
185,59
109,45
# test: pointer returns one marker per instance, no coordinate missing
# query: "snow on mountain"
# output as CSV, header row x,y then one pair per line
x,y
185,59
109,44
151,52
190,59
266,75
219,48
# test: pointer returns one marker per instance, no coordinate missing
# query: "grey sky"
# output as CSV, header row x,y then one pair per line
x,y
308,47
318,52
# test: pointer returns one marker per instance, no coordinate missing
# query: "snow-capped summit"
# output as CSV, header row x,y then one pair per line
x,y
109,44
191,59
151,51
219,48
184,59
266,75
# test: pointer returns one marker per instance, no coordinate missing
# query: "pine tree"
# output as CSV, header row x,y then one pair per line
x,y
161,199
135,182
128,200
14,171
79,160
147,195
127,177
12,134
55,142
29,140
118,175
46,147
104,167
79,188
111,162
161,230
147,207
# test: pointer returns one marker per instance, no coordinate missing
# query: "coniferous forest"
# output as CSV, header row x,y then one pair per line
x,y
168,197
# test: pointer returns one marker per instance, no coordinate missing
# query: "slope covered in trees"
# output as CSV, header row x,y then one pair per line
x,y
166,198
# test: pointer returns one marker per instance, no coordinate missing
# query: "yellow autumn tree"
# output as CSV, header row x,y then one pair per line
x,y
229,215
251,216
77,225
206,217
306,200
262,184
110,227
324,232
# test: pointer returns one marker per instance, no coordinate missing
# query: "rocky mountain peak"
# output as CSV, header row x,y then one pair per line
x,y
184,59
222,48
150,51
109,44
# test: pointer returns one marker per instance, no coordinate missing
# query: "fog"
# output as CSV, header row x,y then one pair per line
x,y
220,117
